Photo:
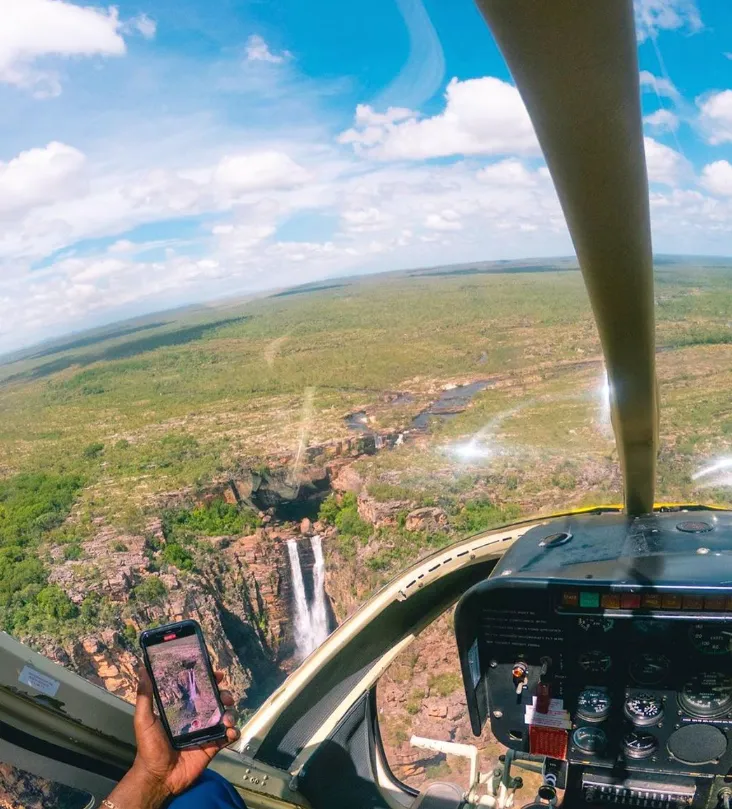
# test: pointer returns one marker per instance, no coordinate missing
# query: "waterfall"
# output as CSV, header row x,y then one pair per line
x,y
303,630
311,621
319,611
192,690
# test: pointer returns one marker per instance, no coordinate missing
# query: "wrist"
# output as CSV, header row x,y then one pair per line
x,y
147,785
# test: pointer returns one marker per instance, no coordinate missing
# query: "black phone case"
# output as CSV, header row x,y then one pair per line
x,y
215,732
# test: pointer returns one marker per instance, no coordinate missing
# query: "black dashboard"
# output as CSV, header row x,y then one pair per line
x,y
605,642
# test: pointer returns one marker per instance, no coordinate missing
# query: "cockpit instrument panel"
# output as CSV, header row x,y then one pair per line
x,y
612,651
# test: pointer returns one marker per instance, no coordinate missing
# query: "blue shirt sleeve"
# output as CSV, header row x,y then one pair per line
x,y
211,791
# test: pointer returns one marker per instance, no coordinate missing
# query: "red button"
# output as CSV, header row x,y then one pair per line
x,y
630,601
570,598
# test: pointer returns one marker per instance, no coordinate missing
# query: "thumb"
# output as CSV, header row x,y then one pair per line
x,y
144,715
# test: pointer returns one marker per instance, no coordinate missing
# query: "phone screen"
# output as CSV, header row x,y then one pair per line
x,y
186,692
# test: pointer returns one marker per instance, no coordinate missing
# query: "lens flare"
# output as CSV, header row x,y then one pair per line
x,y
469,451
717,473
603,393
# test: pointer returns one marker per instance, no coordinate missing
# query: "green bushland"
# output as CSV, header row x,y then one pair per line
x,y
95,428
342,512
176,555
216,518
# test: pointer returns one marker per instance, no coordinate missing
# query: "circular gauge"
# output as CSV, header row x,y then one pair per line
x,y
643,709
595,661
647,627
593,705
589,740
639,744
707,695
710,639
649,668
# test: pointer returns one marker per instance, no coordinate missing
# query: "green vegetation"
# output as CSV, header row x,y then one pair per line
x,y
217,518
96,429
414,701
436,772
480,515
443,685
31,504
94,450
383,492
149,591
73,551
178,556
343,513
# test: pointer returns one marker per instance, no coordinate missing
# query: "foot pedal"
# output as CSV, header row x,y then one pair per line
x,y
440,796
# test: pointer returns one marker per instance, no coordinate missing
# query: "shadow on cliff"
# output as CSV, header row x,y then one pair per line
x,y
265,673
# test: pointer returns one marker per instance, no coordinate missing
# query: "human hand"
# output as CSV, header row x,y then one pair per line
x,y
157,762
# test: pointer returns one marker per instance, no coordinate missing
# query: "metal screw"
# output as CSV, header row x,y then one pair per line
x,y
493,663
702,551
498,714
507,573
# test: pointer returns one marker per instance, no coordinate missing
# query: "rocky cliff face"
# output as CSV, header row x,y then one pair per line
x,y
240,597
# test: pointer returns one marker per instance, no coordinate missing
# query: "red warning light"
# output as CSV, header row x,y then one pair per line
x,y
169,636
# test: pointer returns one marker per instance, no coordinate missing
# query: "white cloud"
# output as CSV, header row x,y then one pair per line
x,y
665,165
507,172
653,16
257,50
658,85
39,176
663,120
715,116
257,170
445,220
481,116
143,25
361,220
717,178
32,29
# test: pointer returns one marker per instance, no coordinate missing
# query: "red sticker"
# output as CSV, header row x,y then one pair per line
x,y
550,742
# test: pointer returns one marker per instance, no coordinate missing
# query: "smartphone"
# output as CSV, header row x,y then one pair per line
x,y
183,681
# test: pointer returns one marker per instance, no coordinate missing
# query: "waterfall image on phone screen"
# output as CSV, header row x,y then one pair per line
x,y
187,694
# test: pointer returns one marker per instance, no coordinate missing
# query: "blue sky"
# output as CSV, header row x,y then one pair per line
x,y
160,153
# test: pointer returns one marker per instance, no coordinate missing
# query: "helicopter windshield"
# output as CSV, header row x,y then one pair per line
x,y
285,307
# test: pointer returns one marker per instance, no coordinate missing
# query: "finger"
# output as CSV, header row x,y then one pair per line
x,y
227,698
219,675
211,748
229,720
144,715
